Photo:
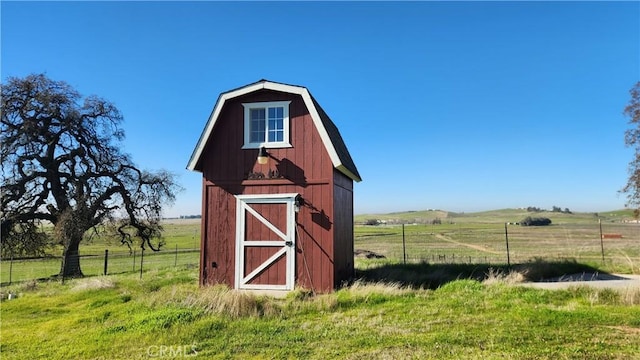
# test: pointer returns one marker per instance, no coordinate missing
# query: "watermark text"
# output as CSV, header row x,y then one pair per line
x,y
172,351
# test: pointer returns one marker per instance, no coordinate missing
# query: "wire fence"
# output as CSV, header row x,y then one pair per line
x,y
501,243
614,243
107,263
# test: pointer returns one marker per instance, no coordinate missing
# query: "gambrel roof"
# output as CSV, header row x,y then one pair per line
x,y
328,131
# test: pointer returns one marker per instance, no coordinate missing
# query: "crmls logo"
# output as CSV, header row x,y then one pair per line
x,y
172,351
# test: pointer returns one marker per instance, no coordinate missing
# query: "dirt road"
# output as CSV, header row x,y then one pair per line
x,y
475,247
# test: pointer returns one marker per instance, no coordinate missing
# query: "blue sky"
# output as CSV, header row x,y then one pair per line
x,y
461,106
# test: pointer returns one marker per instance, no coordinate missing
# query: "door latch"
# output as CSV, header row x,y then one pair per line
x,y
288,243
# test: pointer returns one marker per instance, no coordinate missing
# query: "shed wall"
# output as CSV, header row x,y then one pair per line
x,y
343,230
218,236
307,169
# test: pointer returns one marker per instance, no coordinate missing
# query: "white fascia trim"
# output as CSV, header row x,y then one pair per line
x,y
298,90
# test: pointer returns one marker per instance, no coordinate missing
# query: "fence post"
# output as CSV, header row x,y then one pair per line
x,y
601,239
506,239
106,260
10,268
404,247
175,264
141,261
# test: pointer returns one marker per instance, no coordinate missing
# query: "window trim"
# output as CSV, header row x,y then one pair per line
x,y
285,120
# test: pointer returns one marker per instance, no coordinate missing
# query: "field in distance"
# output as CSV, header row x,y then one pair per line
x,y
495,216
483,237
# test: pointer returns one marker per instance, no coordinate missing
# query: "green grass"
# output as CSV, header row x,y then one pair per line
x,y
122,317
461,306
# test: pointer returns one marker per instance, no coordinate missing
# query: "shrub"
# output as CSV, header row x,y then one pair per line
x,y
537,221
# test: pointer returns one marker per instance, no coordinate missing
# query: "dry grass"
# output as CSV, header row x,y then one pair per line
x,y
221,300
625,297
630,296
30,285
363,289
94,283
224,301
500,277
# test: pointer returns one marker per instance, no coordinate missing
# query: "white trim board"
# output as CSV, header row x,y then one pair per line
x,y
287,240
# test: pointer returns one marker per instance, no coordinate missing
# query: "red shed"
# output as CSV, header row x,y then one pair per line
x,y
284,218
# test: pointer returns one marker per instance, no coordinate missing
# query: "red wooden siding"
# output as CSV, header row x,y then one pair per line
x,y
315,239
274,274
307,169
276,214
218,243
343,231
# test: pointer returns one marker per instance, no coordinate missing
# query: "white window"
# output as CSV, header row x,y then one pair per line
x,y
266,124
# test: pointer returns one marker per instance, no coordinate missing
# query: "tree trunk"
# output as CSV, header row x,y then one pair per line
x,y
71,260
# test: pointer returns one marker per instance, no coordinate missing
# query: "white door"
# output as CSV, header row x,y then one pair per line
x,y
265,242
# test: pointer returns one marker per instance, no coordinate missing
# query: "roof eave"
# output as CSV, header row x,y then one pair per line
x,y
343,169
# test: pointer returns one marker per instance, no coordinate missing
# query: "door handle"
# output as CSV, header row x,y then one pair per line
x,y
288,243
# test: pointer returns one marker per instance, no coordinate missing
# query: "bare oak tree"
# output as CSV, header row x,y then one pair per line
x,y
632,139
62,164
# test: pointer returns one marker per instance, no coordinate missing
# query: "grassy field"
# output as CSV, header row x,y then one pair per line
x,y
481,238
459,238
165,315
466,305
182,238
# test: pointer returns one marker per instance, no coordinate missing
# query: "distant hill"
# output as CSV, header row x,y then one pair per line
x,y
423,216
492,216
